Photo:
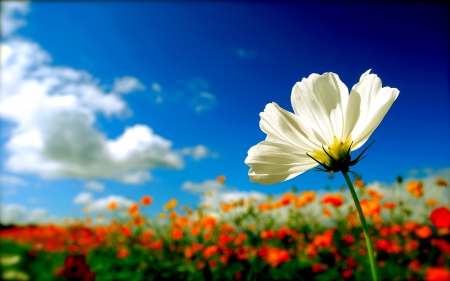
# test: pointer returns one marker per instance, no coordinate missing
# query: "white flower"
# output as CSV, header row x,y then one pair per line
x,y
327,126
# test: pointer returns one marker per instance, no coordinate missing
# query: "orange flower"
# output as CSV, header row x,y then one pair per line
x,y
267,234
307,197
333,199
265,206
370,208
276,256
208,221
324,240
221,178
112,205
190,251
374,194
283,231
125,231
123,253
240,239
414,265
440,217
133,209
182,220
287,198
177,234
423,232
209,251
359,183
326,213
156,245
226,207
432,202
138,220
146,200
415,188
437,274
195,231
224,227
389,205
161,216
441,182
395,228
173,215
225,239
171,204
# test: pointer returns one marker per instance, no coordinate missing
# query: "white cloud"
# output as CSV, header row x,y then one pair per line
x,y
11,13
101,205
156,87
18,214
94,185
207,185
52,112
83,198
12,181
136,177
199,152
126,85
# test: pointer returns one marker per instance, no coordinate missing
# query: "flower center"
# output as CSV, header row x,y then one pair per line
x,y
338,150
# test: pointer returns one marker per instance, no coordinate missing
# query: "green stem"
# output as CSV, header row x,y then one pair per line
x,y
364,227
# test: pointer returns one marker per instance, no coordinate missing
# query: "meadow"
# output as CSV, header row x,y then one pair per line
x,y
298,235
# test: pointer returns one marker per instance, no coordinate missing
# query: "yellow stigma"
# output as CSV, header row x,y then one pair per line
x,y
337,149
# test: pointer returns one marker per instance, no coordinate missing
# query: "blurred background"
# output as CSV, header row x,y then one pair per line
x,y
111,101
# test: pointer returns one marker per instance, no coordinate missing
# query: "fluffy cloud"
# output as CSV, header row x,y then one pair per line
x,y
18,214
94,185
199,152
12,181
126,85
83,198
101,205
52,111
11,13
207,185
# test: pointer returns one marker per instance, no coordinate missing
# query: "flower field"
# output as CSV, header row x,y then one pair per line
x,y
303,235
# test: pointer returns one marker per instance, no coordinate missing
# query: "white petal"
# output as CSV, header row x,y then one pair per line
x,y
285,127
273,162
321,101
367,106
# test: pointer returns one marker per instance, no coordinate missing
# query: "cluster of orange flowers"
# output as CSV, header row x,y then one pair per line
x,y
209,241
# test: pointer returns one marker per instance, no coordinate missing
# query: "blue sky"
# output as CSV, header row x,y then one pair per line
x,y
125,99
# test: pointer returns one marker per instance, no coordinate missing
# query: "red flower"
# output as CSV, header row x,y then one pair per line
x,y
123,253
177,234
423,232
335,200
347,273
440,217
146,200
437,274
